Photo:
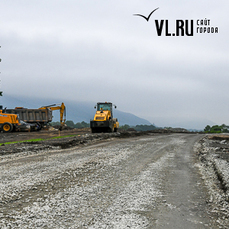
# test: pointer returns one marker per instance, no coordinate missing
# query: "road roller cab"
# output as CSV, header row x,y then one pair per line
x,y
103,120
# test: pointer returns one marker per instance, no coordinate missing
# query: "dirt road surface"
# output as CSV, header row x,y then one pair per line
x,y
141,182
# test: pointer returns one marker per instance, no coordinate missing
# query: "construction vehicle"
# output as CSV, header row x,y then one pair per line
x,y
32,116
40,116
103,120
8,122
62,109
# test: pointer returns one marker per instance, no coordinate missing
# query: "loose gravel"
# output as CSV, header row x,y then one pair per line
x,y
213,154
113,182
83,188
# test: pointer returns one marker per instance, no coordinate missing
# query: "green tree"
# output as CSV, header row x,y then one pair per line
x,y
224,128
125,127
207,128
145,127
80,125
54,123
84,124
215,129
70,123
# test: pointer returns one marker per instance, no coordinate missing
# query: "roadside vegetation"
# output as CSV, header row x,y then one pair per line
x,y
139,127
217,129
38,139
80,125
69,123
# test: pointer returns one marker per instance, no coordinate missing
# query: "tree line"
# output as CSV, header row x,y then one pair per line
x,y
216,129
69,123
80,125
139,127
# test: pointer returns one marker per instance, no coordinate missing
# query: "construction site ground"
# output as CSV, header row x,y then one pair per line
x,y
45,134
114,180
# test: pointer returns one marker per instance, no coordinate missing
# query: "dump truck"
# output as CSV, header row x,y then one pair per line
x,y
40,116
8,122
33,116
103,120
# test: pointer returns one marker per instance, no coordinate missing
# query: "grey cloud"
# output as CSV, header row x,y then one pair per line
x,y
89,49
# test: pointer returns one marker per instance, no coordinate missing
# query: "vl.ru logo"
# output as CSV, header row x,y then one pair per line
x,y
182,27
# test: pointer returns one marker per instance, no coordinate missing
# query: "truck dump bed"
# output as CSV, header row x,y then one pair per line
x,y
40,116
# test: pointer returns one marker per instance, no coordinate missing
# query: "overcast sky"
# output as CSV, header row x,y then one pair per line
x,y
91,50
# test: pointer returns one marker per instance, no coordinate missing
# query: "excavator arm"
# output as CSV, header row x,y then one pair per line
x,y
60,107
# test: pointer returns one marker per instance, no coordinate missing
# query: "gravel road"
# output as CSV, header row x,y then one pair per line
x,y
141,182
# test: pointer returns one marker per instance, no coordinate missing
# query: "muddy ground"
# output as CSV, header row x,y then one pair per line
x,y
139,183
79,137
45,134
211,152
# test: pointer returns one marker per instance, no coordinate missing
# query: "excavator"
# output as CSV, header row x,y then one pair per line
x,y
62,109
103,120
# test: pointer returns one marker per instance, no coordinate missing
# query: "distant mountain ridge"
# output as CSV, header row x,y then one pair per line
x,y
76,111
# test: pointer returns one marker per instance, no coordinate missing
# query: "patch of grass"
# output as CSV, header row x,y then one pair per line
x,y
66,136
39,139
34,140
31,140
